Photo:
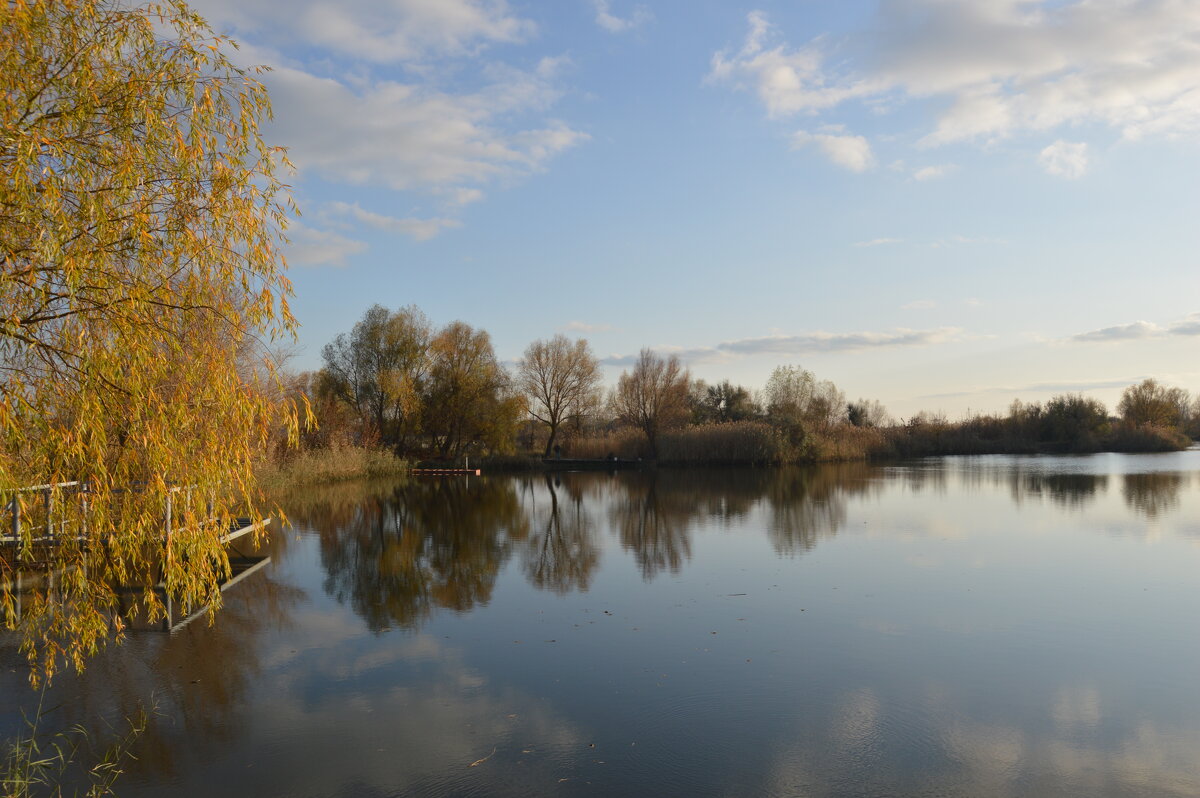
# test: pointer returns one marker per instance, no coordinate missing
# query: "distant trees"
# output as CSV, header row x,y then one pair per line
x,y
1151,404
722,402
561,380
867,413
404,386
378,371
1073,419
470,398
394,379
653,396
801,404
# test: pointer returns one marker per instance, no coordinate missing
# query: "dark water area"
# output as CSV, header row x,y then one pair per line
x,y
977,626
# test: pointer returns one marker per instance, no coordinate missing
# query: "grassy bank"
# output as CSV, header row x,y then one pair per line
x,y
744,443
760,443
995,436
735,443
333,464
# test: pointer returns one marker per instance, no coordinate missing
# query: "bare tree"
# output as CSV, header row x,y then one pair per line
x,y
561,380
654,396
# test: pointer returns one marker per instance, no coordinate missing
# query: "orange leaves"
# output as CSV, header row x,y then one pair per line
x,y
140,262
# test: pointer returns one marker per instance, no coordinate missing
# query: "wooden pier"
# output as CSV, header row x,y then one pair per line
x,y
58,517
581,464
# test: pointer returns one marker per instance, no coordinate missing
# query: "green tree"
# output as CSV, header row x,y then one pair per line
x,y
1149,403
728,402
379,370
1073,419
469,402
140,217
867,413
561,381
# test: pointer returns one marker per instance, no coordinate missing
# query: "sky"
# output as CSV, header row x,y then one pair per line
x,y
940,204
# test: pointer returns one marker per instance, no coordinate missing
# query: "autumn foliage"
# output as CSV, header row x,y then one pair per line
x,y
140,219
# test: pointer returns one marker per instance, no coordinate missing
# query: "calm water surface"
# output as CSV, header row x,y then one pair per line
x,y
985,626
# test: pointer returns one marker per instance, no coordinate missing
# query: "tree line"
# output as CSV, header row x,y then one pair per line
x,y
397,382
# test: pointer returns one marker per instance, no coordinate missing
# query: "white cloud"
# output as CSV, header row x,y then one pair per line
x,y
582,326
308,246
786,81
390,32
407,136
933,172
1139,330
879,242
1121,332
847,151
1065,159
420,229
806,343
1189,327
994,67
445,122
957,240
462,196
614,24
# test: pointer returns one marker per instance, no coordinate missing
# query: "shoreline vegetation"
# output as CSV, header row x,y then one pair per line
x,y
395,393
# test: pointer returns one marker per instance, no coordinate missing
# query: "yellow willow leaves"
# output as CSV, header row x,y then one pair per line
x,y
140,223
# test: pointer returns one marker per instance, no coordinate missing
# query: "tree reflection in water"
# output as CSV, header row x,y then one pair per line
x,y
1069,491
1152,495
196,681
809,504
560,553
426,544
653,523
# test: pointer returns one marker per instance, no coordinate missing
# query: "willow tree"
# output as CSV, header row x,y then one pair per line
x,y
140,218
469,403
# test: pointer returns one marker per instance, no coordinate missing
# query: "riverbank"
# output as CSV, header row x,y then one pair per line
x,y
326,465
743,443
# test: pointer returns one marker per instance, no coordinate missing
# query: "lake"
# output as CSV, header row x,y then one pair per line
x,y
975,626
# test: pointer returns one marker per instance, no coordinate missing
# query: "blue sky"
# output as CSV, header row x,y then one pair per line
x,y
941,204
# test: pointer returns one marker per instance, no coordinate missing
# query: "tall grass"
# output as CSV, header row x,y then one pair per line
x,y
991,435
732,443
33,766
333,464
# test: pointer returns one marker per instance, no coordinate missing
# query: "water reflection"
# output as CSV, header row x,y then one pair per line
x,y
430,543
1070,491
1150,485
809,505
561,552
653,523
958,635
1152,495
194,684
